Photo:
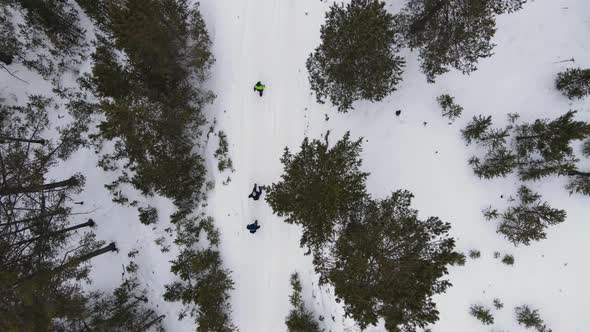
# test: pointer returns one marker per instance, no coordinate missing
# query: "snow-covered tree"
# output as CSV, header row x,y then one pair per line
x,y
530,318
358,55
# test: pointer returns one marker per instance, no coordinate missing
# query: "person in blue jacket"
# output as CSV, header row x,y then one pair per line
x,y
253,227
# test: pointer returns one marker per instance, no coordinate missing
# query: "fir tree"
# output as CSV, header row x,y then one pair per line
x,y
551,141
579,182
453,33
388,264
574,83
449,108
528,220
476,129
300,319
482,314
530,318
357,58
320,186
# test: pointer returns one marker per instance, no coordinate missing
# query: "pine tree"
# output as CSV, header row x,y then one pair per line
x,y
300,319
357,58
320,185
152,104
388,264
574,83
482,314
528,220
453,33
579,182
449,108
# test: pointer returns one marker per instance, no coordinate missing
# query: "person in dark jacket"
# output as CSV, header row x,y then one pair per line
x,y
255,195
259,87
253,227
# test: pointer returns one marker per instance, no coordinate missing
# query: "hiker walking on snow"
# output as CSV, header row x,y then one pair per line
x,y
253,227
259,87
255,195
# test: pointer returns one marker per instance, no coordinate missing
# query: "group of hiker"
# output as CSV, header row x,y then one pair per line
x,y
257,190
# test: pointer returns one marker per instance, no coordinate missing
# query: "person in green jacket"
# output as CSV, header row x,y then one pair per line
x,y
259,87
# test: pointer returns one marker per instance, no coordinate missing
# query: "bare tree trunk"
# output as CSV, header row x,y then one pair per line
x,y
578,173
3,139
73,181
73,262
89,223
151,323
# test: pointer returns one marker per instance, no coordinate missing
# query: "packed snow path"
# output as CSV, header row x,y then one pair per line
x,y
264,40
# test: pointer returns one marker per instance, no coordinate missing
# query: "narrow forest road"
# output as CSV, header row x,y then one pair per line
x,y
254,40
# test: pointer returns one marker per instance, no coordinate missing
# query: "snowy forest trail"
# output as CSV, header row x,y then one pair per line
x,y
270,40
258,41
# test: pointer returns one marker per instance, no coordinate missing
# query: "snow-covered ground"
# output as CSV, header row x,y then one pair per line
x,y
269,40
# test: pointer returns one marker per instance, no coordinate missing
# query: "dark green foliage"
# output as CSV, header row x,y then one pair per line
x,y
221,154
460,260
496,163
482,314
357,58
387,263
474,254
551,141
574,83
152,104
453,33
528,220
530,318
579,182
449,108
300,319
320,186
97,10
498,304
476,129
205,288
148,215
508,259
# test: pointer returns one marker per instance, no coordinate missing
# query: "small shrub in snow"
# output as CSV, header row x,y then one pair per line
x,y
148,215
482,314
498,304
474,254
449,108
574,82
508,259
221,154
496,254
